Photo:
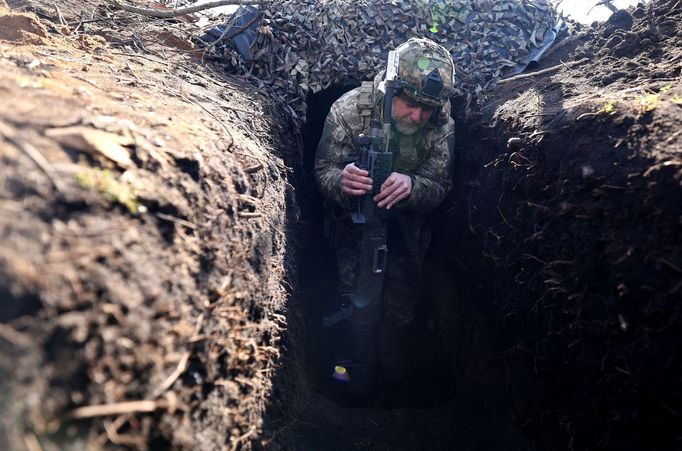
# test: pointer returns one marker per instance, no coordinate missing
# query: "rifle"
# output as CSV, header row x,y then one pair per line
x,y
375,157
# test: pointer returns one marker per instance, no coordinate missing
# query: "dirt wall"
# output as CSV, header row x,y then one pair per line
x,y
562,240
142,227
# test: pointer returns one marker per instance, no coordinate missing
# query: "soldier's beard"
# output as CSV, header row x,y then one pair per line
x,y
405,125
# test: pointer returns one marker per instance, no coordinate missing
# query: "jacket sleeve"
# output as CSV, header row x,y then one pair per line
x,y
335,150
433,179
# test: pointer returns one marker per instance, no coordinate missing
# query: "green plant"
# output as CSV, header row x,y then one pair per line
x,y
104,181
648,102
609,107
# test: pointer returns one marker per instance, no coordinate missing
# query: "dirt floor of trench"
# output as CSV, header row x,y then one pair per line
x,y
147,226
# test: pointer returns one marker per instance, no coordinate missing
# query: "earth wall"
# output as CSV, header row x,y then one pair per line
x,y
143,232
562,240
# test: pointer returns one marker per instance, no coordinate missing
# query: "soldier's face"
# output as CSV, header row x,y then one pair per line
x,y
409,116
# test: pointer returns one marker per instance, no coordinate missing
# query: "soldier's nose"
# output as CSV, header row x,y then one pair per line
x,y
416,114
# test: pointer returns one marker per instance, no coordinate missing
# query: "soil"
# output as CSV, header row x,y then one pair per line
x,y
142,215
558,274
162,242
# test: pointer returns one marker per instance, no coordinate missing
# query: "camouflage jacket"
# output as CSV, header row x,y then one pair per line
x,y
427,155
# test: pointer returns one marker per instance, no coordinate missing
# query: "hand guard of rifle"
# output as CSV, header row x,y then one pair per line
x,y
376,158
373,251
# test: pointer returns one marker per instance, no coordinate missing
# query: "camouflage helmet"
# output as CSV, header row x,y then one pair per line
x,y
428,70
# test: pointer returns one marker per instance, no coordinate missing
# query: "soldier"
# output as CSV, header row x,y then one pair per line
x,y
423,144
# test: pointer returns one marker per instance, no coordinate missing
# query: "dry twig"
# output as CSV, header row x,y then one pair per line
x,y
605,3
33,153
59,15
672,137
32,442
182,11
176,220
119,408
584,115
254,168
670,265
111,429
543,71
236,441
182,365
242,214
17,338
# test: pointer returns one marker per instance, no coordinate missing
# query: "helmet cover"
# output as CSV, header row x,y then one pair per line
x,y
428,71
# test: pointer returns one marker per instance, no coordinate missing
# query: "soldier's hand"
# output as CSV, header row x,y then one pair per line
x,y
396,188
354,181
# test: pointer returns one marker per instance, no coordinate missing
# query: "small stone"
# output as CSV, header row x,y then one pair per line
x,y
514,143
621,19
611,77
624,325
587,171
565,207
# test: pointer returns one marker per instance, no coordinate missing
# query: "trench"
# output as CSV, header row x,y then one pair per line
x,y
524,338
454,393
507,352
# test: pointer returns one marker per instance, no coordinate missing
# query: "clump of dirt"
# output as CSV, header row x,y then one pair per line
x,y
142,222
562,240
632,45
20,28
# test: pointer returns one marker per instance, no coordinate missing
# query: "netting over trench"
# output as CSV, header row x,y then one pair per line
x,y
302,46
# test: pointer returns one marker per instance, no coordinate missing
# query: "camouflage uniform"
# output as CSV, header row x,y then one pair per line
x,y
426,156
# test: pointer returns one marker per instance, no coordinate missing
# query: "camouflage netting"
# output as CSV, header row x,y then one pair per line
x,y
305,46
